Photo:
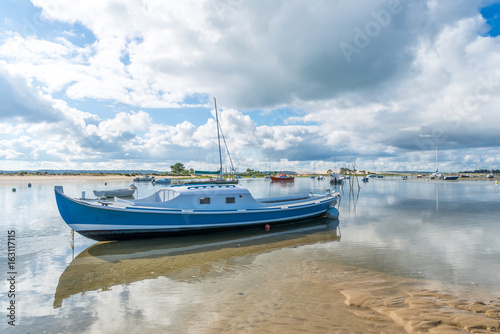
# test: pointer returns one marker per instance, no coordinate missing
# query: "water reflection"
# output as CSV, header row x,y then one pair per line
x,y
184,258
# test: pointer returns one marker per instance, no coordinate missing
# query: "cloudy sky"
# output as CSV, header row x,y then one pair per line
x,y
302,84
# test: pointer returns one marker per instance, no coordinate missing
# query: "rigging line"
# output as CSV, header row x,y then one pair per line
x,y
227,149
218,138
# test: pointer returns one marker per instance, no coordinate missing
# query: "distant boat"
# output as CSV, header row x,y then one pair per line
x,y
490,175
380,176
145,178
436,174
372,175
464,175
336,179
126,192
282,177
404,177
365,179
164,181
450,177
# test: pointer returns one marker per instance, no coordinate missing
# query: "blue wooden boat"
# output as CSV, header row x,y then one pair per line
x,y
450,177
188,209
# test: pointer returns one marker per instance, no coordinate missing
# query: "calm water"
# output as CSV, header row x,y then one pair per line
x,y
438,231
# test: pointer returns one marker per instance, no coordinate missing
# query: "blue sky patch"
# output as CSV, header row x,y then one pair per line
x,y
492,16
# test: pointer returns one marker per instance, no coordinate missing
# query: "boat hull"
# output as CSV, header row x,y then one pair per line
x,y
273,178
108,223
114,193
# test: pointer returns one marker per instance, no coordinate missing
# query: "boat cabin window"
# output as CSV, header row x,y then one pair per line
x,y
229,200
205,200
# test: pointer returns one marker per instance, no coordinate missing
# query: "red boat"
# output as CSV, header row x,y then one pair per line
x,y
282,177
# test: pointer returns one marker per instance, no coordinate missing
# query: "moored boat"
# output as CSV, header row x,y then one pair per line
x,y
490,175
162,181
282,177
186,209
450,177
336,179
126,192
144,178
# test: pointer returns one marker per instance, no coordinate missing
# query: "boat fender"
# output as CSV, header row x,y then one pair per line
x,y
332,213
267,227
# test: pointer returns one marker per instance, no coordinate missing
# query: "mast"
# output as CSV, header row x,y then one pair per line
x,y
436,158
218,138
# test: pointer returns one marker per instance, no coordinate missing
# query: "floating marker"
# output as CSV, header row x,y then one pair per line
x,y
29,185
267,227
13,190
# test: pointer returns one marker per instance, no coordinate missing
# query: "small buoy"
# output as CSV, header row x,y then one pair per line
x,y
267,227
13,190
496,182
332,213
29,185
105,183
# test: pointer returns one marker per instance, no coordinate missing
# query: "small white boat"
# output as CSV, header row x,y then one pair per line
x,y
145,178
336,179
126,192
490,175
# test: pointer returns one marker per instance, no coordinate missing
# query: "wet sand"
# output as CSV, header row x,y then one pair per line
x,y
284,286
305,298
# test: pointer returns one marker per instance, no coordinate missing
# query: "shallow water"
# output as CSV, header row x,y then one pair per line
x,y
393,238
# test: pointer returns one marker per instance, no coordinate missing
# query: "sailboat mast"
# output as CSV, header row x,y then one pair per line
x,y
436,158
218,138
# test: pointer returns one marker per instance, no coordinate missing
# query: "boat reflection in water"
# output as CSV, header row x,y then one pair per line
x,y
108,264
